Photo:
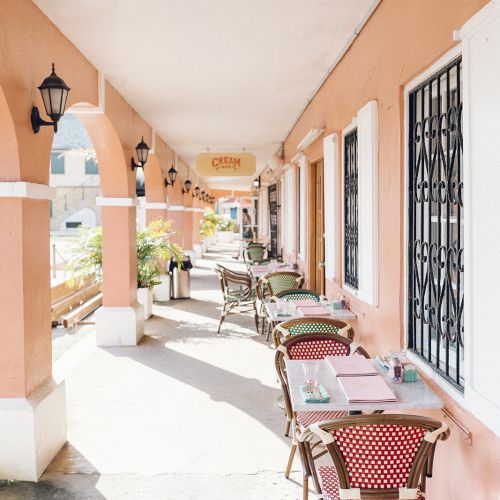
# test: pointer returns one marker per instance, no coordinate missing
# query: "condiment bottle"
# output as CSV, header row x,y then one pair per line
x,y
396,370
343,302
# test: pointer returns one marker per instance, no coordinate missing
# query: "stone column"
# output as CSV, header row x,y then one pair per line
x,y
32,404
120,321
187,225
197,215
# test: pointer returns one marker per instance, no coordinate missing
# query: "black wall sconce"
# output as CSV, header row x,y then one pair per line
x,y
256,183
202,195
54,96
142,151
172,175
196,192
187,185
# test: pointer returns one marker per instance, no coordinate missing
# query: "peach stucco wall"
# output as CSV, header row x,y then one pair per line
x,y
29,43
402,38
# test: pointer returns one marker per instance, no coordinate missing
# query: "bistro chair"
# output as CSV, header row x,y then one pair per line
x,y
309,346
238,294
300,294
379,456
262,296
282,280
255,254
299,326
287,296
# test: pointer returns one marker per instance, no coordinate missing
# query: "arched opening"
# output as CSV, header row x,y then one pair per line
x,y
74,217
96,184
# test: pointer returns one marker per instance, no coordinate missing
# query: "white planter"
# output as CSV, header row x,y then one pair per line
x,y
145,297
161,292
211,240
225,236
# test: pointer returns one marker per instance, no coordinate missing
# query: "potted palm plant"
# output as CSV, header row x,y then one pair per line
x,y
154,247
86,259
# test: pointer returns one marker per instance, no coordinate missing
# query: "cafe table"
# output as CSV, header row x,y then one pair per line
x,y
410,395
280,311
259,270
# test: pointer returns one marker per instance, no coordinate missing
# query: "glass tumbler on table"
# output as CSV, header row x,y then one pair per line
x,y
311,372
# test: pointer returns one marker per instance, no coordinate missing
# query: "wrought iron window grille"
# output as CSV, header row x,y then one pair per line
x,y
435,228
351,248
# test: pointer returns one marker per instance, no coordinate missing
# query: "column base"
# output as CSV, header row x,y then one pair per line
x,y
116,326
32,431
197,250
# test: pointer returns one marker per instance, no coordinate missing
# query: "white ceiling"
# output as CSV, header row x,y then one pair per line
x,y
218,74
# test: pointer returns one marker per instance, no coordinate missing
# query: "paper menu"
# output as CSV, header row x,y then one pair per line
x,y
314,311
350,366
370,389
304,303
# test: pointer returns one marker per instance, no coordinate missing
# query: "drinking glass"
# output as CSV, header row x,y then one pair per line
x,y
311,372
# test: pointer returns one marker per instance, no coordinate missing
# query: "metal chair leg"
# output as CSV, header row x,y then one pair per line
x,y
269,329
293,449
287,427
222,317
305,488
256,317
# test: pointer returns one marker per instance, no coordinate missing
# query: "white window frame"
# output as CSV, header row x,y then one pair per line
x,y
282,228
366,123
433,375
289,209
481,405
303,170
330,176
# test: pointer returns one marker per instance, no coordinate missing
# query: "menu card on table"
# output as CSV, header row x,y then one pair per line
x,y
350,366
314,311
304,303
370,389
260,268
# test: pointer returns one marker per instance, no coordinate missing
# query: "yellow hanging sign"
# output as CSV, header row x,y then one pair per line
x,y
225,164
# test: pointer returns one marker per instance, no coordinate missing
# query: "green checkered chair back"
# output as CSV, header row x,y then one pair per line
x,y
289,295
283,281
255,254
316,327
300,326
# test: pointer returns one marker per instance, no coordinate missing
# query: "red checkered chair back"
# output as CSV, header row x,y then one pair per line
x,y
388,453
379,456
318,348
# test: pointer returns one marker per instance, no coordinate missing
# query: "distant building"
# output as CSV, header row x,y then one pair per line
x,y
74,173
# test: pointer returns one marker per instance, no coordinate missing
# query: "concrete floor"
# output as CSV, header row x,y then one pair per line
x,y
185,415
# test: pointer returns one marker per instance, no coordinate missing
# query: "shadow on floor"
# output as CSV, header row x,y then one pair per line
x,y
220,384
58,482
235,325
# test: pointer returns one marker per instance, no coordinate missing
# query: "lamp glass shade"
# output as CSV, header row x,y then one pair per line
x,y
187,185
197,190
142,151
54,94
172,175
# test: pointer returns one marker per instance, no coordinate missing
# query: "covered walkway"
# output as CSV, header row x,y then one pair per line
x,y
355,142
185,413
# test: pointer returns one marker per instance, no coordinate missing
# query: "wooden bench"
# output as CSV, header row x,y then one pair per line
x,y
71,304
